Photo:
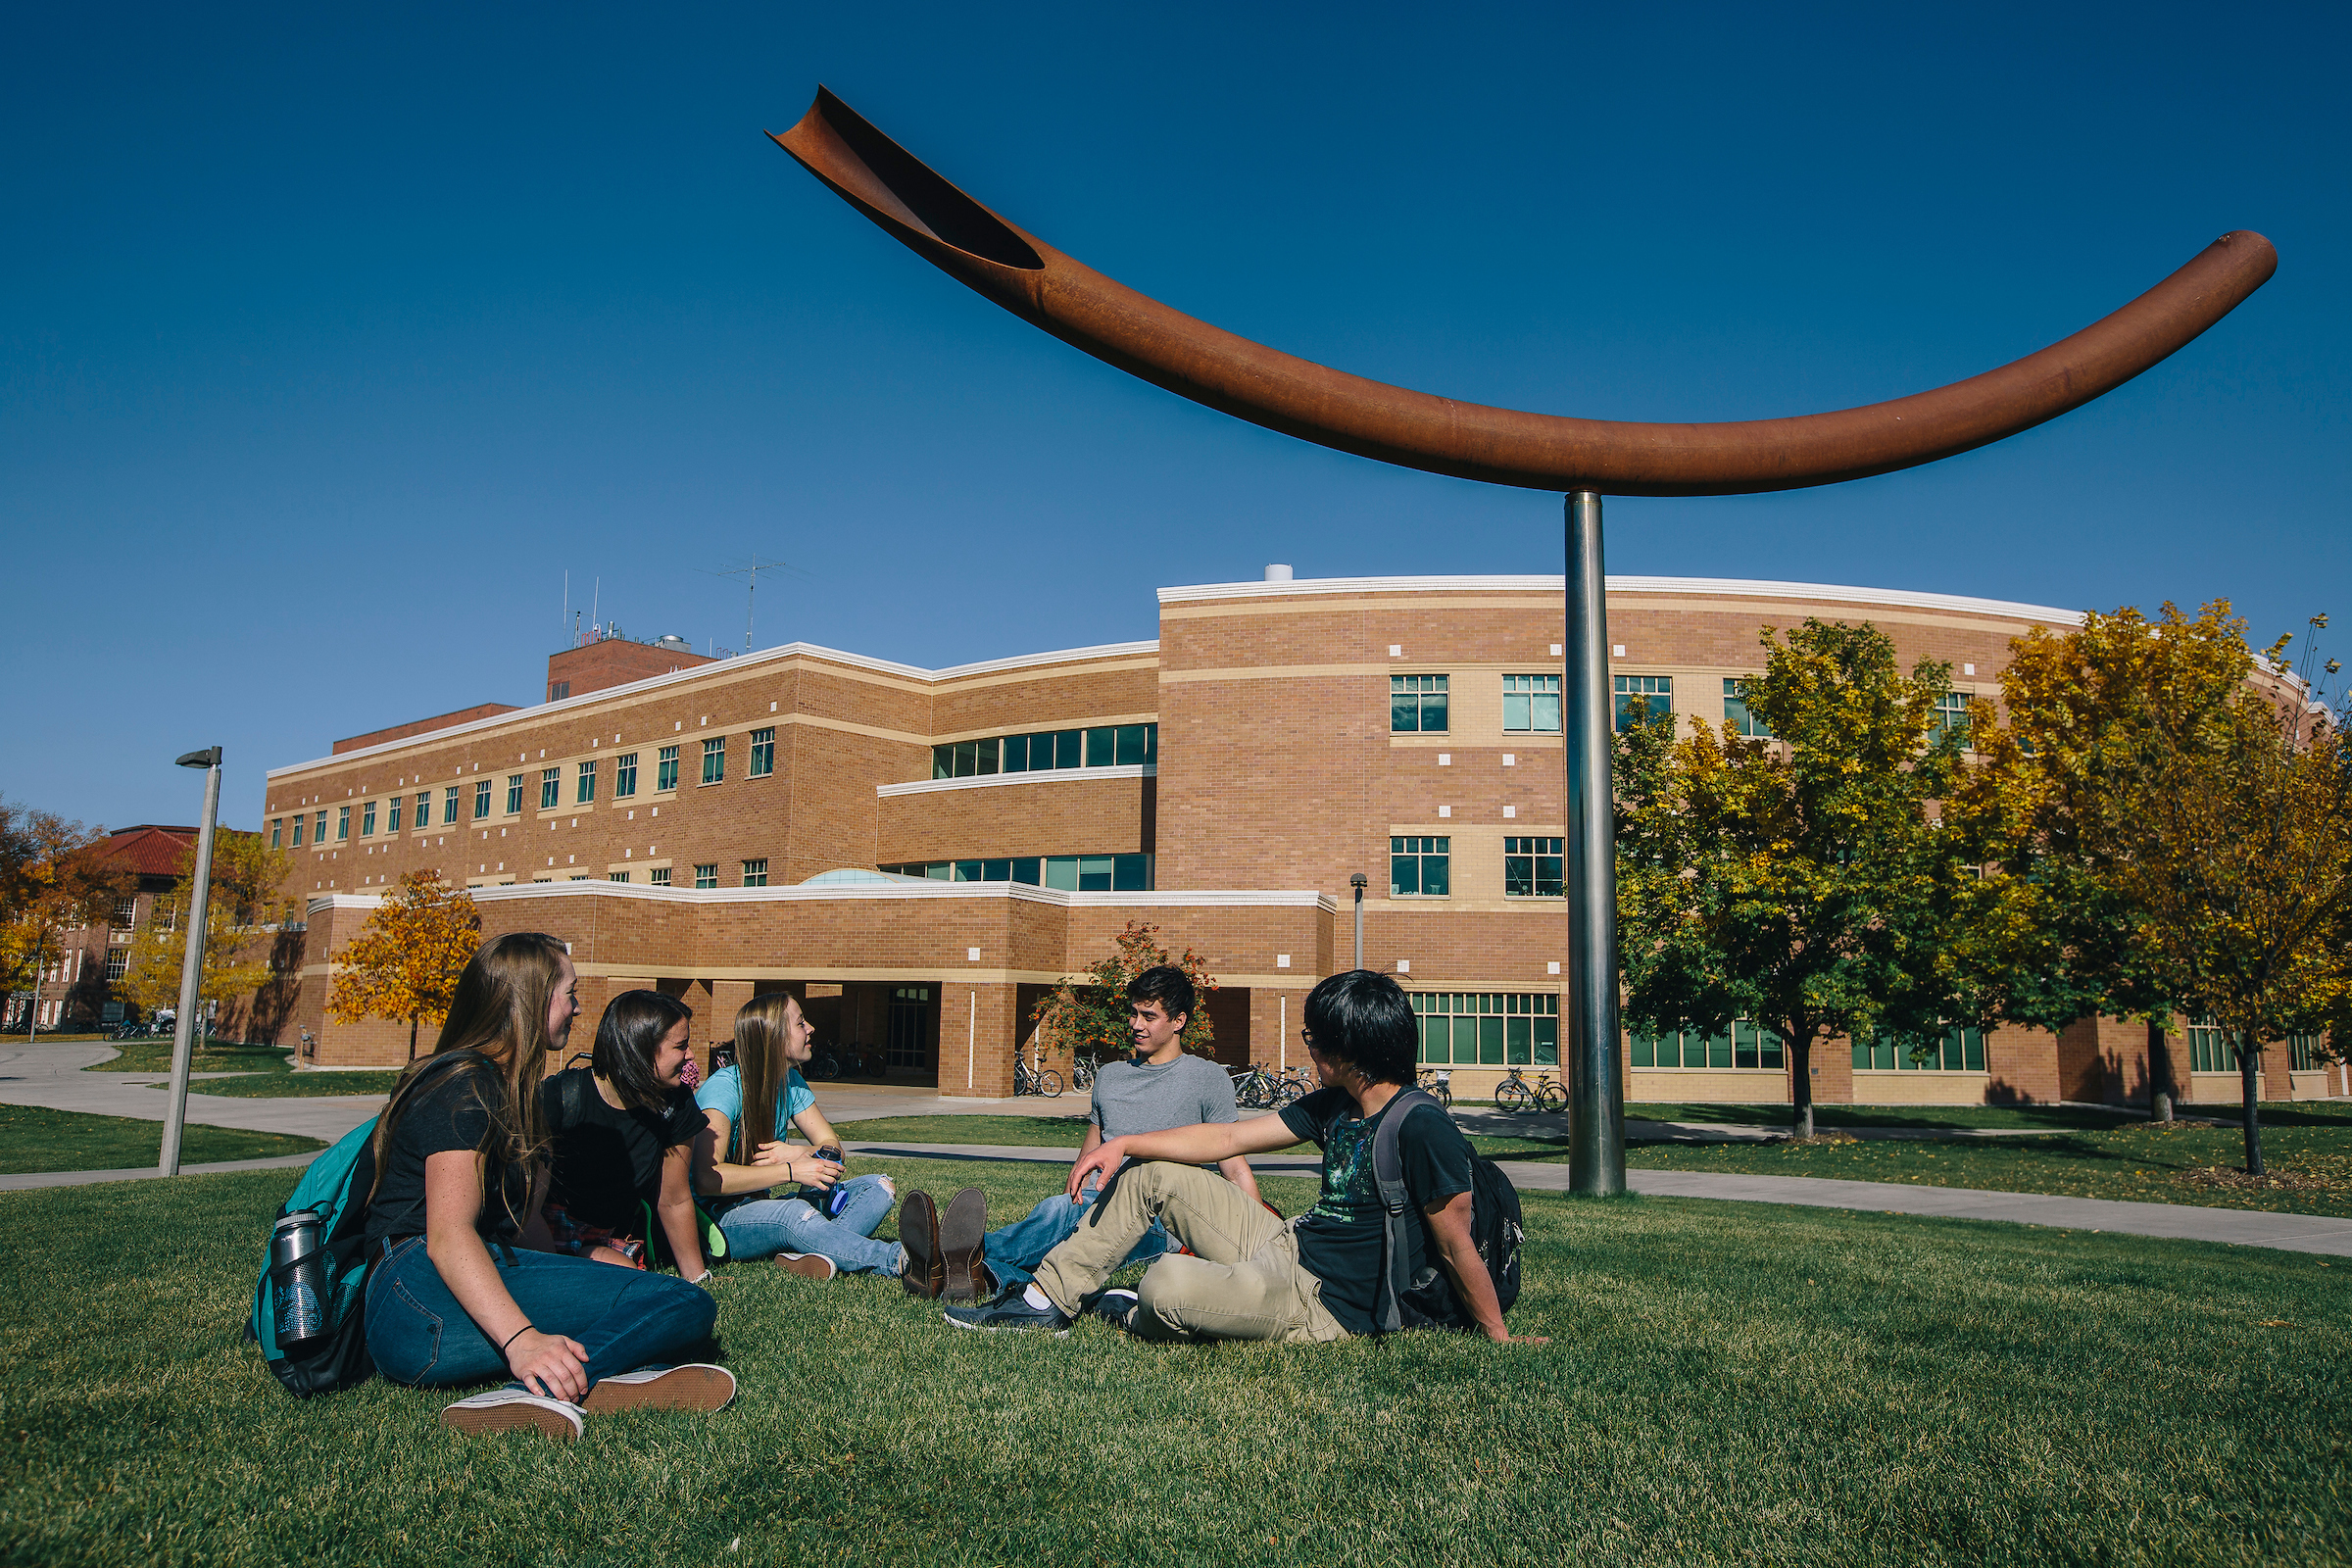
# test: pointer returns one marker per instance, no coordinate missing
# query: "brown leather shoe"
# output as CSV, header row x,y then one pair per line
x,y
961,1234
925,1273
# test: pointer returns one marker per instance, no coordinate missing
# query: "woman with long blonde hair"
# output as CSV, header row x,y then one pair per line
x,y
464,1286
747,1107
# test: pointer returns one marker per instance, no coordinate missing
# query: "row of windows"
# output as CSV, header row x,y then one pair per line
x,y
2212,1049
551,791
1640,698
1489,1029
1072,874
1422,866
1419,704
1959,1051
1748,1044
1104,746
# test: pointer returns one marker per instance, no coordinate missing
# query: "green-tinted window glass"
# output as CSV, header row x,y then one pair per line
x,y
1736,719
1642,699
624,776
1531,702
1417,705
586,792
1531,867
1420,867
665,769
763,753
551,791
514,799
1952,717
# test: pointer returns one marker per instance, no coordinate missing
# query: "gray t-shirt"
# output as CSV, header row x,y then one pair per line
x,y
1132,1098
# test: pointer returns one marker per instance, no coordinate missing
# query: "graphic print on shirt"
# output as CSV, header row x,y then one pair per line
x,y
1346,1165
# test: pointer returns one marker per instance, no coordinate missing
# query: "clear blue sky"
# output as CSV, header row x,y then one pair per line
x,y
330,340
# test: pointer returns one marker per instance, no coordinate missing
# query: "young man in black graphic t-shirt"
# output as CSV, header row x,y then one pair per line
x,y
1254,1277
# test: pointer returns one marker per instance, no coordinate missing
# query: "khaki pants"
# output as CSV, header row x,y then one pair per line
x,y
1243,1284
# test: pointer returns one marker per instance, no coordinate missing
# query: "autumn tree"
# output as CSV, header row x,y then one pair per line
x,y
53,874
242,905
405,963
1086,1016
1799,881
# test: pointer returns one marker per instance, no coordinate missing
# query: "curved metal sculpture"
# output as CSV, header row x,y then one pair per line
x,y
1500,446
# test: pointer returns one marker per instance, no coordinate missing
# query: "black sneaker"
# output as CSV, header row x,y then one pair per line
x,y
1114,1307
1012,1311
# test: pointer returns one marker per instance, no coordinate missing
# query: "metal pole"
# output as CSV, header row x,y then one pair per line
x,y
1595,1091
1357,882
191,966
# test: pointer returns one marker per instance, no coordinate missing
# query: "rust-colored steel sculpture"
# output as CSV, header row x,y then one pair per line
x,y
1500,446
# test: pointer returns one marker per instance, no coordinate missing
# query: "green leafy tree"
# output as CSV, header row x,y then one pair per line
x,y
235,963
53,875
1084,1017
1799,881
405,963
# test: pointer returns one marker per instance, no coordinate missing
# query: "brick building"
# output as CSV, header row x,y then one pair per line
x,y
920,854
80,963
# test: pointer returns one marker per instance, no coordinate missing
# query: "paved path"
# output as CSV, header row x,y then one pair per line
x,y
85,1178
52,1076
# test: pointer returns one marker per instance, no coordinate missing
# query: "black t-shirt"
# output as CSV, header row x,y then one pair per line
x,y
608,1159
448,1111
1340,1238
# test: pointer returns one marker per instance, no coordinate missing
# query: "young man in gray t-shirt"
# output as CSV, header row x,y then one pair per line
x,y
1161,1087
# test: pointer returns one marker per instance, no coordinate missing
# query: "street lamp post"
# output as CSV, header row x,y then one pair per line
x,y
1359,883
191,966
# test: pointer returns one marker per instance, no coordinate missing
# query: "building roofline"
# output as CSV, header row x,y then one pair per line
x,y
778,655
1715,587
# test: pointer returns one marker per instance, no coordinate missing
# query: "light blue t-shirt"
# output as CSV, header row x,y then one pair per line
x,y
722,1092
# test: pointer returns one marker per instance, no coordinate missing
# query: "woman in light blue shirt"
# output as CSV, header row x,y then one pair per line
x,y
742,1154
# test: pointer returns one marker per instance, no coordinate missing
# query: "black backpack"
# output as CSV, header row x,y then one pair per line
x,y
1428,1300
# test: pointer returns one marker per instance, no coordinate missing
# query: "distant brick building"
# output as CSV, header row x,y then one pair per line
x,y
83,962
920,854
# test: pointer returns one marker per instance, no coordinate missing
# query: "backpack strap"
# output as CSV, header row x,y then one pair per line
x,y
1388,1170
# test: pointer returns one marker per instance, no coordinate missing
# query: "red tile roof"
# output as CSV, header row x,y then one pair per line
x,y
150,849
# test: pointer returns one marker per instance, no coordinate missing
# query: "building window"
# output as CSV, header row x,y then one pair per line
x,y
342,824
117,960
551,788
367,819
1531,869
1071,873
755,873
449,807
1746,1045
319,830
665,769
706,876
277,832
392,814
514,794
910,1024
127,910
1952,717
1489,1029
298,822
425,809
2303,1054
763,753
481,798
587,785
2210,1049
1417,705
624,775
1532,703
1736,719
556,691
616,876
1420,867
659,876
1104,746
1958,1050
715,759
1642,699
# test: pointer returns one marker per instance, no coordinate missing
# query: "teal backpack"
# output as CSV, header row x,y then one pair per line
x,y
335,1186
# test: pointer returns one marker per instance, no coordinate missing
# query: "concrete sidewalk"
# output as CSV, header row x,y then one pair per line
x,y
51,1077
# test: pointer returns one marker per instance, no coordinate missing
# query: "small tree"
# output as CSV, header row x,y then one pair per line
x,y
405,963
234,964
1087,1014
1797,881
53,873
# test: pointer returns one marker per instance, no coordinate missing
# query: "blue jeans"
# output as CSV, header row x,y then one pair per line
x,y
625,1320
1013,1251
767,1226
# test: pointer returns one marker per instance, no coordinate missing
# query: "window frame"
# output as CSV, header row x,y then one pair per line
x,y
515,788
762,762
584,783
551,788
624,776
1537,850
1422,694
715,759
1424,850
754,872
1531,698
705,874
1651,695
665,771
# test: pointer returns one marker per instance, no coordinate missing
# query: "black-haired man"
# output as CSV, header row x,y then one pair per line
x,y
1254,1277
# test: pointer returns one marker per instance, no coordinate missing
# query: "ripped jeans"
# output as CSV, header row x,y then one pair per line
x,y
765,1226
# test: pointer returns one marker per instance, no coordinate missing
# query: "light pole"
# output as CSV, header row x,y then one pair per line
x,y
191,966
1359,883
1595,1091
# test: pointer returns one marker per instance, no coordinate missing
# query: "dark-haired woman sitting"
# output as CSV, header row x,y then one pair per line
x,y
621,1133
465,1285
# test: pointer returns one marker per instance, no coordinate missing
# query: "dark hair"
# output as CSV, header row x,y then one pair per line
x,y
1166,985
1363,1020
627,1038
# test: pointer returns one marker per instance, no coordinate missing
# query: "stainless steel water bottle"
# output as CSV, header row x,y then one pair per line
x,y
298,1279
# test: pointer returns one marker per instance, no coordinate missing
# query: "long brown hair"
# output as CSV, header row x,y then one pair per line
x,y
499,1011
760,1058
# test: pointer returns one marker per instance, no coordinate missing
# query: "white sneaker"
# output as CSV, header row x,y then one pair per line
x,y
513,1411
696,1385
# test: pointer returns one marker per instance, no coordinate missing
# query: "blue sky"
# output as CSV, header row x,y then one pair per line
x,y
329,343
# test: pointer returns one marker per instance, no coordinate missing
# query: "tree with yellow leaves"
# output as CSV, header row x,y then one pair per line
x,y
53,873
405,963
235,963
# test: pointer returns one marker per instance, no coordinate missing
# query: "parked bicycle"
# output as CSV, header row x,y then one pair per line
x,y
823,1065
1029,1080
1438,1084
1082,1072
1515,1093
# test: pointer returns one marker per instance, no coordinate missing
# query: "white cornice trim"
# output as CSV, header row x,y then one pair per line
x,y
598,888
779,655
1709,587
1046,775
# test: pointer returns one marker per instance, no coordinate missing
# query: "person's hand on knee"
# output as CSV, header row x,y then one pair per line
x,y
549,1364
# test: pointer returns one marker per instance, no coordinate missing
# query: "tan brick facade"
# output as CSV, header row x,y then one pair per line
x,y
1278,776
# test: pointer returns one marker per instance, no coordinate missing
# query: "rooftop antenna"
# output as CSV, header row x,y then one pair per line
x,y
596,598
749,571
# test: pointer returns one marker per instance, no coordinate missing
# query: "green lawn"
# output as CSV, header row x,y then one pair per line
x,y
155,1056
1757,1383
1050,1132
295,1084
33,1139
266,1072
1957,1116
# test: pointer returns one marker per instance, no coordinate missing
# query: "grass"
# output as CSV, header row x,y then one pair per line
x,y
35,1139
295,1084
1954,1117
265,1072
155,1056
1028,1132
1750,1384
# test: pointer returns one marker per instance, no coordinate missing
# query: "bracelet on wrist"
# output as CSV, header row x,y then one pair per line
x,y
512,1338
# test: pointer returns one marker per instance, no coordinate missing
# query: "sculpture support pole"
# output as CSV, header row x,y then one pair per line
x,y
1595,1089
